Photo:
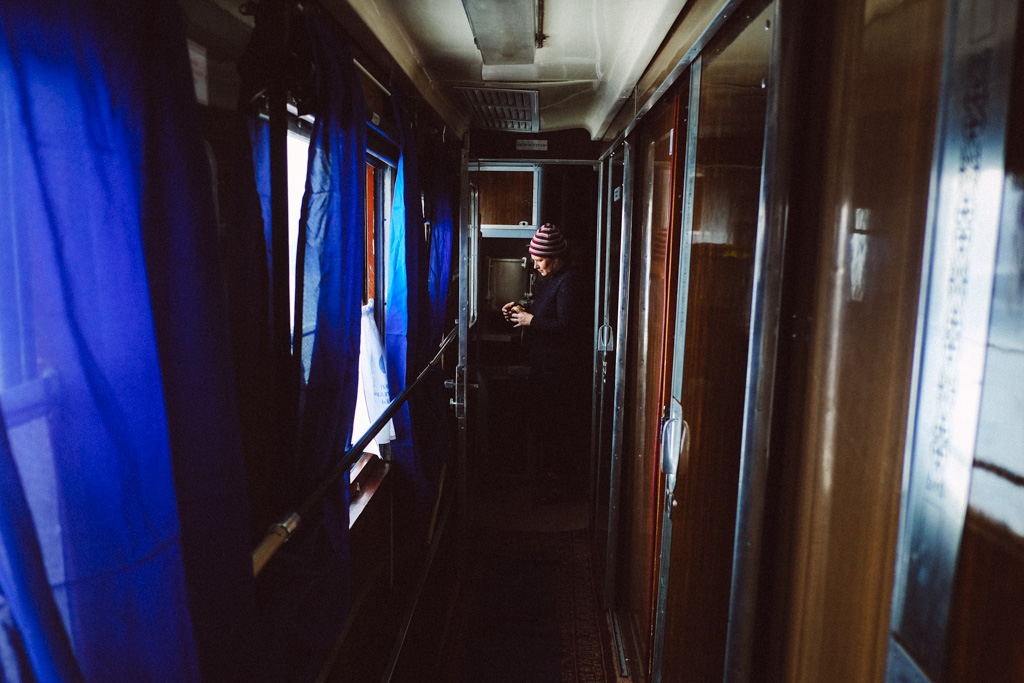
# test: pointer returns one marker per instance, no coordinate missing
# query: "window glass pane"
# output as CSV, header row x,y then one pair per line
x,y
506,197
372,395
298,154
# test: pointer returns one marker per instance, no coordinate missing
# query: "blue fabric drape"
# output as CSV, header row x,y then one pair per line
x,y
259,137
23,583
404,289
333,220
307,586
104,168
417,273
438,193
179,233
247,259
430,405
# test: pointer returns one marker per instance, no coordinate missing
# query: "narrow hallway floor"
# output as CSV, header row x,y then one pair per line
x,y
529,608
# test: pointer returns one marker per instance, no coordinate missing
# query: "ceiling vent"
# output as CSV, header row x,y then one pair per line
x,y
503,109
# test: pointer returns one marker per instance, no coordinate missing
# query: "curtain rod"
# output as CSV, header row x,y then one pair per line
x,y
282,531
371,76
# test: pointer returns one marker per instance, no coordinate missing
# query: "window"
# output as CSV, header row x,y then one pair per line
x,y
509,198
374,397
379,185
298,155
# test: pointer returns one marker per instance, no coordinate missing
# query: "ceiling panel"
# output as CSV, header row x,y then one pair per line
x,y
593,53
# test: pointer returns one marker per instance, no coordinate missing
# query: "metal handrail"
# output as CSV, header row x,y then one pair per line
x,y
279,533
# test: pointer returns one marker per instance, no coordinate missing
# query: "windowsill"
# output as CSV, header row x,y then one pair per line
x,y
513,231
357,468
367,476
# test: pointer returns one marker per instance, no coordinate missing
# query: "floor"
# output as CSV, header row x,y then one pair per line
x,y
530,607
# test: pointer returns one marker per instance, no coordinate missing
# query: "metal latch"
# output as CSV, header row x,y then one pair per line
x,y
450,384
675,455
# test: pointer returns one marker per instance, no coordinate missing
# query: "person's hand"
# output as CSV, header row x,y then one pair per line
x,y
506,310
522,319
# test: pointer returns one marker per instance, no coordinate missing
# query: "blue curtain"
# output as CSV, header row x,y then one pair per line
x,y
37,641
405,288
438,187
179,233
247,261
119,423
431,416
307,587
266,392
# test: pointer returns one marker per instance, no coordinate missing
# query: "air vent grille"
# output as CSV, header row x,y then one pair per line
x,y
503,109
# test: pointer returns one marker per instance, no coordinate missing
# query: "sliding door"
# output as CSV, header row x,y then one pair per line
x,y
721,219
654,236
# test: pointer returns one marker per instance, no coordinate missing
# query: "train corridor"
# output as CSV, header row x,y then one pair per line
x,y
529,607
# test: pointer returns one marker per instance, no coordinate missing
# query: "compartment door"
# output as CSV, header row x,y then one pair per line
x,y
722,218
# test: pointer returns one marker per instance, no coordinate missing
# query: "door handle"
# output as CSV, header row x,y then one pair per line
x,y
675,450
669,463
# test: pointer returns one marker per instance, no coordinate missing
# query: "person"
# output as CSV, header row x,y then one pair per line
x,y
554,332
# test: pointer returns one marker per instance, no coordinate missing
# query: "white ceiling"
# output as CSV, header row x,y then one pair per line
x,y
594,53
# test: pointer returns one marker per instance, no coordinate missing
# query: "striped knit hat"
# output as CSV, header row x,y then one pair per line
x,y
548,242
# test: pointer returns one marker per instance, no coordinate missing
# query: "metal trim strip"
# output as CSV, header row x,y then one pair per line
x,y
620,373
461,368
901,668
761,358
678,354
595,393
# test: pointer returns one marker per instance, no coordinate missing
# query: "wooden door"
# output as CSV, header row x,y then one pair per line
x,y
656,229
727,122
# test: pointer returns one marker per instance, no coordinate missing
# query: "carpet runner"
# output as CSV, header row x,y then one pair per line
x,y
530,611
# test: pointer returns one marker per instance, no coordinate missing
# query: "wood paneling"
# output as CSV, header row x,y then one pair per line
x,y
859,205
506,197
986,638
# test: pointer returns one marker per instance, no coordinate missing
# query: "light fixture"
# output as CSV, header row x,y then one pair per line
x,y
506,31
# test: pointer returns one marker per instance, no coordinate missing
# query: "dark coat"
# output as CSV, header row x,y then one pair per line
x,y
556,334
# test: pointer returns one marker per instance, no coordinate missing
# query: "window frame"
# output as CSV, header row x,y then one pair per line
x,y
369,471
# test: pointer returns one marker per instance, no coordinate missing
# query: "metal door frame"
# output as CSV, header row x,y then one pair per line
x,y
763,346
762,352
466,269
600,314
621,337
674,429
604,344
